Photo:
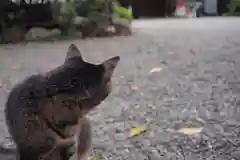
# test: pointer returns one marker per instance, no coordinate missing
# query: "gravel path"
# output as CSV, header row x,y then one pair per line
x,y
198,86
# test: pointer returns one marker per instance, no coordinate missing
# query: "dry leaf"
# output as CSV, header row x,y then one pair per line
x,y
91,158
155,70
135,131
133,88
190,131
3,86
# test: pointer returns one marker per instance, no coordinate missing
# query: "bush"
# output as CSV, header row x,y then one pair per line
x,y
84,8
94,14
67,15
121,12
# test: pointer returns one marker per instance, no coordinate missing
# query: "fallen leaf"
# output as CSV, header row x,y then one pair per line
x,y
190,131
134,88
3,86
135,131
91,158
155,70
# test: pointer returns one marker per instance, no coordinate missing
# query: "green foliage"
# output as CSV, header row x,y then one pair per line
x,y
85,7
67,12
95,22
233,8
121,12
67,16
94,13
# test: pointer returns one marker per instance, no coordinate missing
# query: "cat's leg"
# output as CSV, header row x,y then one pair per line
x,y
56,155
26,153
84,139
59,143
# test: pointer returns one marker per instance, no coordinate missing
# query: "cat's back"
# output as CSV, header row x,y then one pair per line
x,y
20,103
24,93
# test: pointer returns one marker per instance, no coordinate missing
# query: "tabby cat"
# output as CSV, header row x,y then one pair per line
x,y
45,114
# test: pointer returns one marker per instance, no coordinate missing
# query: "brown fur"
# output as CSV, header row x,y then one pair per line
x,y
45,114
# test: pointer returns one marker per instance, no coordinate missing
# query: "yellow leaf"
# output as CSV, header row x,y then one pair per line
x,y
91,158
3,86
135,131
134,88
190,131
155,70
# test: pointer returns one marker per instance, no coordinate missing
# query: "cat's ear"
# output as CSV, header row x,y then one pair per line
x,y
73,51
109,67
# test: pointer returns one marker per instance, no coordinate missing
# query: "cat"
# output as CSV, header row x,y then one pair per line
x,y
45,114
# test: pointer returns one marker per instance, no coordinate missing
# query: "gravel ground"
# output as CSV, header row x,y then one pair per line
x,y
198,86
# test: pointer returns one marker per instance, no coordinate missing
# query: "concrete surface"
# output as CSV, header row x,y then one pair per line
x,y
197,87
